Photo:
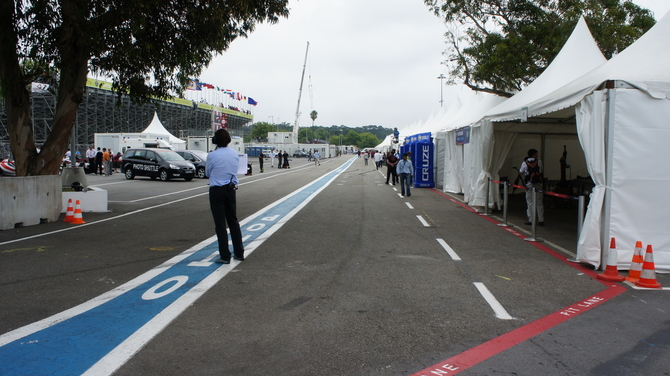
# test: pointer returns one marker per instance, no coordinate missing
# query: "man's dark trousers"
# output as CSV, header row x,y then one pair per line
x,y
390,171
222,202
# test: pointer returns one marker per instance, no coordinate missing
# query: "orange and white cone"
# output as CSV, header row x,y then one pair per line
x,y
636,264
611,271
648,276
69,214
78,219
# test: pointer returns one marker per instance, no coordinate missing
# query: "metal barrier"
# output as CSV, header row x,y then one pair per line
x,y
581,202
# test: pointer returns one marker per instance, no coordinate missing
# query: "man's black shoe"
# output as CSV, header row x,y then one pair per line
x,y
222,261
238,258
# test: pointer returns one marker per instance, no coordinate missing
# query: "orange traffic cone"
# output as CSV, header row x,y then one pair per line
x,y
78,219
636,264
648,276
611,272
69,214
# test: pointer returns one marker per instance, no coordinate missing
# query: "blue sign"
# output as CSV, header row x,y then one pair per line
x,y
422,157
463,136
421,137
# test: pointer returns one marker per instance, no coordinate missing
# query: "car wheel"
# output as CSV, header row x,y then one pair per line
x,y
129,173
189,179
201,173
163,174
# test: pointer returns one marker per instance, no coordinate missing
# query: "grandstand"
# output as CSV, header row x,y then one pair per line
x,y
100,112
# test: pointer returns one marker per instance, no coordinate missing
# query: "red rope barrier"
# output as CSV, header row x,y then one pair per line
x,y
538,190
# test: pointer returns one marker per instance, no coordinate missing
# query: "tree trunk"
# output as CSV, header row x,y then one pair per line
x,y
17,96
74,55
73,70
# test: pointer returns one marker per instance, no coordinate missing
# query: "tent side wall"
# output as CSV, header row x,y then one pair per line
x,y
440,140
640,183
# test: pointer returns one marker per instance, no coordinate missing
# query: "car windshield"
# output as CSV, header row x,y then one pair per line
x,y
170,156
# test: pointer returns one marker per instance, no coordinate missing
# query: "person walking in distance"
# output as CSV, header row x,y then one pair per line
x,y
221,168
378,160
98,162
366,156
286,165
105,161
317,157
279,157
391,162
260,160
532,169
406,172
90,154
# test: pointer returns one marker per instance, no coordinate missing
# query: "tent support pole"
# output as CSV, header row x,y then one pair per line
x,y
609,147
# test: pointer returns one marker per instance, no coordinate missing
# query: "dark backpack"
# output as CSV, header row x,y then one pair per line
x,y
534,175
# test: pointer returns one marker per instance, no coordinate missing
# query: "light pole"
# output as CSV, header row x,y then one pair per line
x,y
441,97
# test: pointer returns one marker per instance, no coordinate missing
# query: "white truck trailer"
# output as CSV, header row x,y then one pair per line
x,y
122,141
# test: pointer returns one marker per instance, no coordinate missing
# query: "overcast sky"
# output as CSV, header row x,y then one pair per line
x,y
372,62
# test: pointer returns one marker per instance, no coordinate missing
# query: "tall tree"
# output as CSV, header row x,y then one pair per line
x,y
500,46
149,48
367,140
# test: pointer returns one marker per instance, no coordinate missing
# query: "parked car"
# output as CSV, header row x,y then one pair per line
x,y
300,154
156,163
198,158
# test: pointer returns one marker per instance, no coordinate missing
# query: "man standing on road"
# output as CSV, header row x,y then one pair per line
x,y
378,160
532,169
317,155
221,168
391,162
98,162
90,154
406,172
260,160
105,161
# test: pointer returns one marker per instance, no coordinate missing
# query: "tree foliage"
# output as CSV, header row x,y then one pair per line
x,y
149,48
500,46
361,137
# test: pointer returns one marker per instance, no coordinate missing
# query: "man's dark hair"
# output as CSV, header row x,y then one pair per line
x,y
221,138
531,153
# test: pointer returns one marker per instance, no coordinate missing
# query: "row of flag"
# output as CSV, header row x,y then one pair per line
x,y
199,85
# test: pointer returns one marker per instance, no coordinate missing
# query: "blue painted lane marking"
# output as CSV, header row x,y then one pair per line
x,y
82,341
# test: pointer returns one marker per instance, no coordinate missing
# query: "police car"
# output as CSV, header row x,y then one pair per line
x,y
156,163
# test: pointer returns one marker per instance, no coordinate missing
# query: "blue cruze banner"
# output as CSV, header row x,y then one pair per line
x,y
422,157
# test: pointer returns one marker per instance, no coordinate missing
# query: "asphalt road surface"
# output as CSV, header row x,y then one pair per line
x,y
342,277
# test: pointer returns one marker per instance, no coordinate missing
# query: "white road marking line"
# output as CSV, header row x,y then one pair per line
x,y
167,194
409,205
120,355
423,221
450,251
500,312
126,214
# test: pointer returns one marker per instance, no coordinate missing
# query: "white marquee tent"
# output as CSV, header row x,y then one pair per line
x,y
156,127
622,110
619,109
500,146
